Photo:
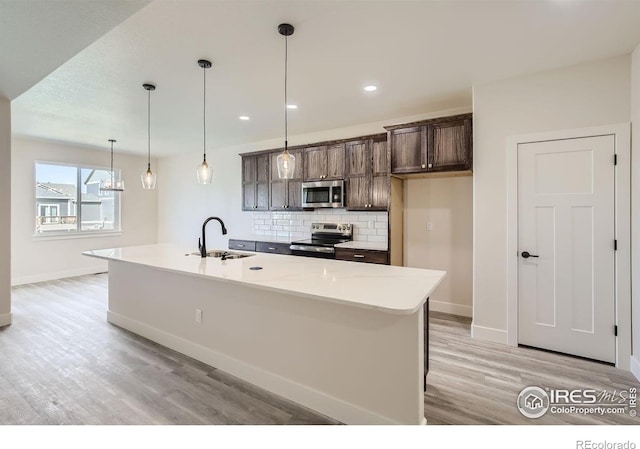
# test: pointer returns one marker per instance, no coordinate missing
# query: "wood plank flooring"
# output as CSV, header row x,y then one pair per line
x,y
62,363
477,382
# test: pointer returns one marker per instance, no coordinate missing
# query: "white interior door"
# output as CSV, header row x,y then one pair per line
x,y
566,287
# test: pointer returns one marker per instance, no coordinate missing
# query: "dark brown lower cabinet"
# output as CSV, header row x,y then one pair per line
x,y
363,255
275,248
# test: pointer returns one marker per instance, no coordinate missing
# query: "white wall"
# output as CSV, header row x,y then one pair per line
x,y
5,212
446,203
580,96
184,204
635,211
39,259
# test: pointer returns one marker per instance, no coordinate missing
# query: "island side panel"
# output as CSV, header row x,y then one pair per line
x,y
356,365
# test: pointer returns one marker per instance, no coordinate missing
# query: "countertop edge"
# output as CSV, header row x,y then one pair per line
x,y
394,311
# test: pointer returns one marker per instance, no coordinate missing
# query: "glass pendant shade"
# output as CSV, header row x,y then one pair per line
x,y
148,179
204,173
286,165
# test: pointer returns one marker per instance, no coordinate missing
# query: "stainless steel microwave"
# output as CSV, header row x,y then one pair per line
x,y
323,194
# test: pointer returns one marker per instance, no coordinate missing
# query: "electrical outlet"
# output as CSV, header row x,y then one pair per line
x,y
429,226
198,316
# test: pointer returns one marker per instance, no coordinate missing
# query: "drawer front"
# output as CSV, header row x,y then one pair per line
x,y
276,248
243,245
364,255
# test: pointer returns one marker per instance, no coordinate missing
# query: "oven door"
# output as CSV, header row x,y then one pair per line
x,y
323,194
323,252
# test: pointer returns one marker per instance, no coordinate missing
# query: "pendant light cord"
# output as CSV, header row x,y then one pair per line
x,y
204,114
286,106
149,130
111,163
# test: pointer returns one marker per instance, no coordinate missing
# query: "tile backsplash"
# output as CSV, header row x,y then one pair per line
x,y
367,226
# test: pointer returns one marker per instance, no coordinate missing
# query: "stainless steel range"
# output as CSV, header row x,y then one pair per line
x,y
324,237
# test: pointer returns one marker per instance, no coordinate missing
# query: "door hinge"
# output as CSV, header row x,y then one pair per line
x,y
615,159
615,245
615,330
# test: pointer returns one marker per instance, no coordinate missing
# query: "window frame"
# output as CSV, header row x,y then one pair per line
x,y
78,232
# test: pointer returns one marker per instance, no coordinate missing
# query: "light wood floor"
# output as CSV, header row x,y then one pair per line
x,y
62,363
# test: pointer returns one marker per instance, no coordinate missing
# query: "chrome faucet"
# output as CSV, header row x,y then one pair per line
x,y
202,246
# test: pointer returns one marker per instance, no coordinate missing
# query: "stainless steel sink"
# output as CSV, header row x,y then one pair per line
x,y
229,255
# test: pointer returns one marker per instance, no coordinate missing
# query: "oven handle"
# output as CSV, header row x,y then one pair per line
x,y
312,249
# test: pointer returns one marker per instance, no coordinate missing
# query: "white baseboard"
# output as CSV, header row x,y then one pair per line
x,y
635,367
309,397
451,308
5,319
489,334
21,280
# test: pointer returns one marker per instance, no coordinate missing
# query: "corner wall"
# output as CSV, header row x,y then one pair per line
x,y
5,212
635,212
446,203
585,95
45,258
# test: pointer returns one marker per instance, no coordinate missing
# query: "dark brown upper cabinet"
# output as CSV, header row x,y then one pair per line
x,y
324,162
449,146
436,145
367,175
255,182
286,193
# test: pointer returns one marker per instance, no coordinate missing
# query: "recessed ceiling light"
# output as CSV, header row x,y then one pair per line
x,y
292,106
244,117
370,88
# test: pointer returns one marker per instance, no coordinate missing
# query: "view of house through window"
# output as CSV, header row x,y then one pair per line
x,y
68,199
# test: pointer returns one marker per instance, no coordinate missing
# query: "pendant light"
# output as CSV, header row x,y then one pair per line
x,y
148,177
286,161
112,184
204,172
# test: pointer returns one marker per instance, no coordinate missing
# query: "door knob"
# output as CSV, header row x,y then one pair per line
x,y
526,254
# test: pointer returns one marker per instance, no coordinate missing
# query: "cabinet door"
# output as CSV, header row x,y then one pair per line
x,y
248,169
294,195
358,192
248,182
335,161
262,182
278,195
380,158
315,163
249,196
450,146
358,158
380,192
408,150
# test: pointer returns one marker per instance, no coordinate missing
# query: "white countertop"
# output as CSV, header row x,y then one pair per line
x,y
262,238
390,289
374,246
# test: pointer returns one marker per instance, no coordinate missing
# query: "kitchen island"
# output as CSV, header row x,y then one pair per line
x,y
342,338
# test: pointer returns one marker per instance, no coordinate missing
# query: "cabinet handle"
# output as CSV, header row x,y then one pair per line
x,y
240,246
359,256
424,166
430,165
272,248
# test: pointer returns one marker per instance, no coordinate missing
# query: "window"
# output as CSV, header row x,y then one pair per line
x,y
69,200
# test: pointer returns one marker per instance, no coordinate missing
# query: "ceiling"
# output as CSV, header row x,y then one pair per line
x,y
423,55
38,36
